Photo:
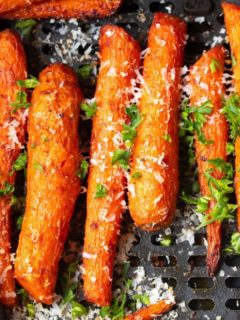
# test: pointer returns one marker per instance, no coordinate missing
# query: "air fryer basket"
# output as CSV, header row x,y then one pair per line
x,y
184,268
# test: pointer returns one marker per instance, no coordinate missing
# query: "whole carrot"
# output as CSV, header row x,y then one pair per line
x,y
206,79
151,311
153,195
12,137
232,22
65,9
120,56
52,183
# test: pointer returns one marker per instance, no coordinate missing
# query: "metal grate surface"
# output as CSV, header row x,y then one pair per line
x,y
181,265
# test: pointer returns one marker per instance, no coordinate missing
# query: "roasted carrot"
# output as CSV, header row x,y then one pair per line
x,y
7,5
153,196
120,56
232,22
52,183
206,80
151,311
66,9
12,136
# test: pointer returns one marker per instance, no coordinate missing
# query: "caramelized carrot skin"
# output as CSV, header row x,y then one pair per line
x,y
207,85
151,312
120,56
232,18
66,9
52,184
152,197
7,5
12,68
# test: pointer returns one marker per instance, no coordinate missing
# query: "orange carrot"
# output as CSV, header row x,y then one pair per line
x,y
65,9
206,79
153,196
151,311
52,183
232,22
120,56
7,5
12,137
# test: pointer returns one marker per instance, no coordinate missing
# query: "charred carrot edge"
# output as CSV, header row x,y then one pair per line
x,y
151,311
232,22
7,5
66,9
13,68
120,56
52,183
207,85
152,197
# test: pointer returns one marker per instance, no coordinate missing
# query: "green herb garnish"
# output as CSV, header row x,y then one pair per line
x,y
38,166
20,102
129,132
85,71
30,83
232,111
166,241
31,310
7,190
101,191
121,157
235,243
89,108
26,26
136,175
21,162
214,65
234,60
78,310
83,169
167,137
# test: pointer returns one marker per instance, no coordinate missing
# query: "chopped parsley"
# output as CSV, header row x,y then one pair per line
x,y
21,162
31,310
129,132
85,71
7,190
38,166
117,310
215,65
30,83
121,157
166,242
20,102
234,60
78,310
90,109
101,191
83,169
25,26
167,137
19,223
231,110
193,119
136,175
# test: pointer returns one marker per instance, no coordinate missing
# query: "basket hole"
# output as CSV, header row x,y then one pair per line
x,y
233,282
129,7
131,27
167,7
134,261
200,239
164,261
197,261
201,304
156,240
233,304
172,282
197,48
220,18
201,283
46,30
47,49
232,261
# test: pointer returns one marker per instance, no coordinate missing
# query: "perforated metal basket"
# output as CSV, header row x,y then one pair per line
x,y
181,265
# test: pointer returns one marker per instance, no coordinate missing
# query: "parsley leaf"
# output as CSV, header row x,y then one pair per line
x,y
234,60
83,170
166,241
167,137
30,83
214,65
235,243
136,175
232,111
78,310
20,102
129,132
21,162
101,191
116,310
30,310
38,166
121,157
19,222
9,189
143,298
25,26
85,71
90,109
